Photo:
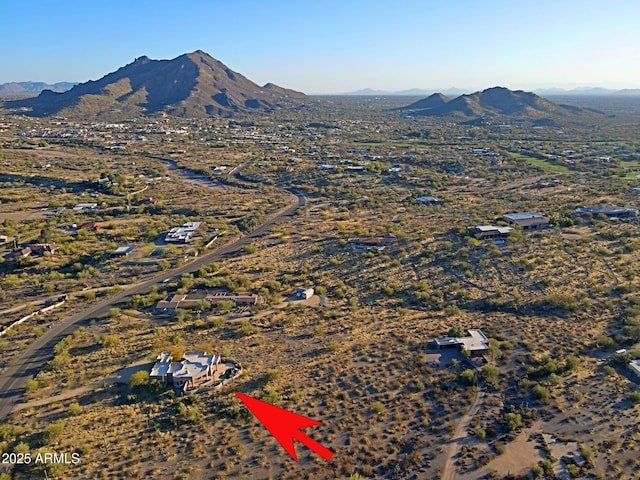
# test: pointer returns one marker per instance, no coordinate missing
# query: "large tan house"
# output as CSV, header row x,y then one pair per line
x,y
195,369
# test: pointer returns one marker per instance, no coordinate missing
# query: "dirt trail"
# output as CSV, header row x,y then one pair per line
x,y
460,436
122,376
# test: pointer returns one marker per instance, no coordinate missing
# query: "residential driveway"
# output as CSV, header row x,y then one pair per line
x,y
122,376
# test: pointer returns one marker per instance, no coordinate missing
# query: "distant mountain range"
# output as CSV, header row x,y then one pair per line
x,y
16,89
191,85
492,103
454,92
413,92
588,91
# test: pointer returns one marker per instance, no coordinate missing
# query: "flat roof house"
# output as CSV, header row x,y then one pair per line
x,y
428,199
611,211
489,231
186,302
379,242
304,293
476,342
85,206
122,251
527,220
184,233
195,369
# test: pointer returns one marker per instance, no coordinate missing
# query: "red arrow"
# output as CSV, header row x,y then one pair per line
x,y
284,426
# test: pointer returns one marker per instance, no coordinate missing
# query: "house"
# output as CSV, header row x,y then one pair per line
x,y
184,233
304,293
42,248
104,182
489,231
34,248
122,251
527,220
93,226
85,206
476,342
611,211
634,367
428,199
186,302
194,370
379,242
23,252
550,184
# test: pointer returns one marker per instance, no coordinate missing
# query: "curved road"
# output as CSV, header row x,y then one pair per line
x,y
15,376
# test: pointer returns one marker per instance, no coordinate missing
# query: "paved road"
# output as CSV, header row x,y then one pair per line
x,y
15,376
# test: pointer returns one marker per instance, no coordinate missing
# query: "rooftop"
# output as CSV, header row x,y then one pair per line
x,y
475,341
491,228
124,250
607,210
191,365
522,216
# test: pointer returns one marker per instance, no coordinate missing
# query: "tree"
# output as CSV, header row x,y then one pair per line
x,y
490,372
468,377
456,331
540,392
53,432
186,281
203,305
181,314
75,409
138,379
177,353
514,420
225,305
31,385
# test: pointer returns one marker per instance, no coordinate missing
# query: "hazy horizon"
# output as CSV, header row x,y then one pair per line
x,y
336,47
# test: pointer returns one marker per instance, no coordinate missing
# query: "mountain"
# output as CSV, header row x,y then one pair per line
x,y
588,91
15,89
453,92
191,85
436,100
492,103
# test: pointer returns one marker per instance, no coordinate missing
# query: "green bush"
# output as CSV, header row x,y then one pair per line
x,y
53,432
271,374
468,377
513,421
110,341
540,392
377,408
75,409
138,379
31,386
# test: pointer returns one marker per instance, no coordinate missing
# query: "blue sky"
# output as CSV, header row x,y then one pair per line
x,y
336,46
